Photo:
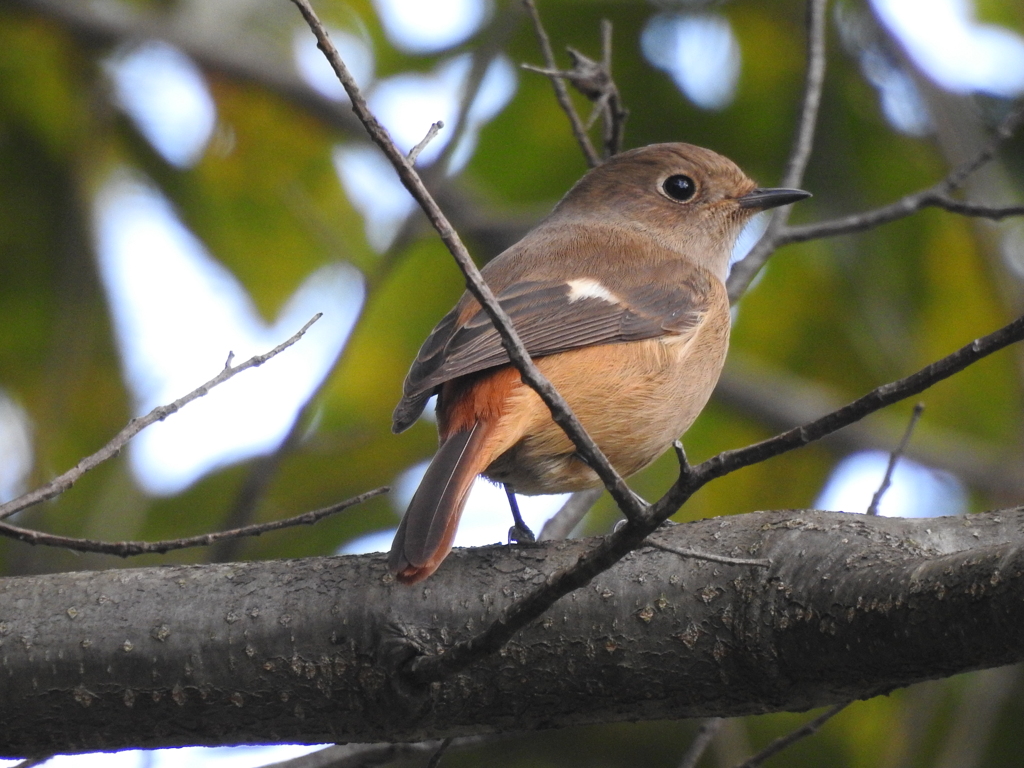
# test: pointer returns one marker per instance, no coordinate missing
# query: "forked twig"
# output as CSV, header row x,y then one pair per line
x,y
63,482
561,94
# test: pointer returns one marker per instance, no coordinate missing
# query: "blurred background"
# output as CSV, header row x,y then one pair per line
x,y
182,179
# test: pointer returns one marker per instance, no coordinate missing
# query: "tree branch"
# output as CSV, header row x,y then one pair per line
x,y
705,735
561,94
519,357
807,729
936,196
132,548
302,651
65,481
906,206
613,548
894,457
782,401
744,271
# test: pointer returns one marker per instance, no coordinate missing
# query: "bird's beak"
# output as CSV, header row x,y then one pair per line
x,y
763,199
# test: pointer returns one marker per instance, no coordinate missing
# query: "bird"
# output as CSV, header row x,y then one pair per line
x,y
619,297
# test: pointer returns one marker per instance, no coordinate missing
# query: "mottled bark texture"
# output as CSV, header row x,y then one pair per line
x,y
311,650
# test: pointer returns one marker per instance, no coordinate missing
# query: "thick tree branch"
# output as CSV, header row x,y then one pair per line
x,y
303,650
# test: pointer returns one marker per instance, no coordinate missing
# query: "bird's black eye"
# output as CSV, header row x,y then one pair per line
x,y
680,188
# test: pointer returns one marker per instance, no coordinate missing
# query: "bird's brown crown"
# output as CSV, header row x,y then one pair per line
x,y
683,196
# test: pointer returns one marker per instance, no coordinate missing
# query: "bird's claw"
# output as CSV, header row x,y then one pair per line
x,y
520,534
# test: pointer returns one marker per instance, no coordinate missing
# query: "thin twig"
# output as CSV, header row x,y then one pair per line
x,y
782,401
431,133
594,80
561,94
935,196
569,516
367,755
900,209
132,548
561,413
32,762
63,482
614,113
353,756
610,549
744,272
893,458
705,735
488,49
807,729
435,759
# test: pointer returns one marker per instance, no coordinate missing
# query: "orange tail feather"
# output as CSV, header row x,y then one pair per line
x,y
425,535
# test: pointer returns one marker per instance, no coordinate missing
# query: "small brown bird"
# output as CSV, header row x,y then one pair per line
x,y
619,298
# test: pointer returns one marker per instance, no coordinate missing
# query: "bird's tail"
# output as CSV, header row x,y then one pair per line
x,y
425,535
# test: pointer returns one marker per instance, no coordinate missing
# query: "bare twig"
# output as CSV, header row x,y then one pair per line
x,y
782,401
367,755
614,113
594,80
488,49
435,759
568,517
32,762
893,458
519,357
807,729
935,196
745,271
705,734
353,756
905,206
63,482
431,133
609,550
561,94
132,548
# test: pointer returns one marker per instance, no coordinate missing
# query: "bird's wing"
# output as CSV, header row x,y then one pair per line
x,y
557,316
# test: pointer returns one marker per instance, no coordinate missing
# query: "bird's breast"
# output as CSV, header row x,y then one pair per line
x,y
634,399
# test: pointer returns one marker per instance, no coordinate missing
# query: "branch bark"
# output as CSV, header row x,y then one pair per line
x,y
306,650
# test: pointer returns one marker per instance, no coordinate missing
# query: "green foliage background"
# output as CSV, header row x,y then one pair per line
x,y
848,314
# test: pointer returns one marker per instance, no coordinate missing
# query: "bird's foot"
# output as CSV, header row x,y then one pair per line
x,y
520,534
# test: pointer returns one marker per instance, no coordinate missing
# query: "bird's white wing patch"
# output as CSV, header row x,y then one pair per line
x,y
588,288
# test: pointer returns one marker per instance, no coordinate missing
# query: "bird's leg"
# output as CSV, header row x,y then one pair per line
x,y
520,532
